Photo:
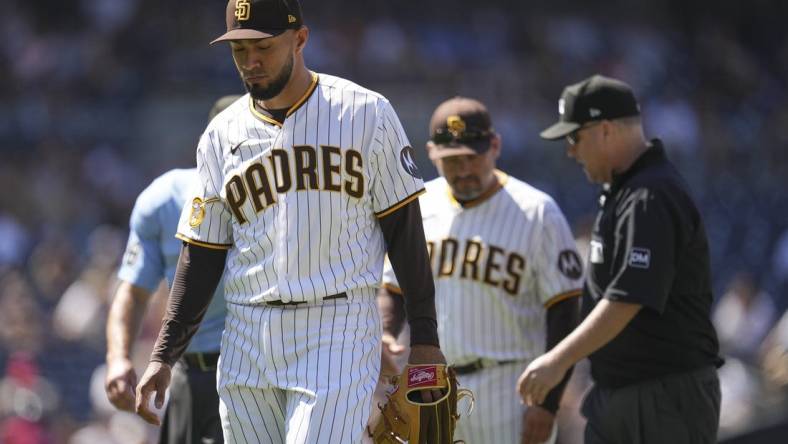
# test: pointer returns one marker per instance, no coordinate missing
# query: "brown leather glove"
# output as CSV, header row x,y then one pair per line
x,y
406,418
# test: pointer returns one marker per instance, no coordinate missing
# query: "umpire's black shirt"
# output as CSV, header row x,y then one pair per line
x,y
649,247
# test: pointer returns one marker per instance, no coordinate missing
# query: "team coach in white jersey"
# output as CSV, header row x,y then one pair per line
x,y
305,183
507,276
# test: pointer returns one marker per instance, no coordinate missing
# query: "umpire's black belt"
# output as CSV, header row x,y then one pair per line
x,y
479,364
279,303
201,361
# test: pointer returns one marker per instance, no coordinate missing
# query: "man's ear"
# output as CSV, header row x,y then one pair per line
x,y
302,36
430,145
495,144
608,128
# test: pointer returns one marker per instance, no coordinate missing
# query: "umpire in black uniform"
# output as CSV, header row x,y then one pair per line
x,y
647,295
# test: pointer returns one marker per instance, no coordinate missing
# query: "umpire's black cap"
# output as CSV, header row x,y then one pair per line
x,y
460,126
595,98
260,19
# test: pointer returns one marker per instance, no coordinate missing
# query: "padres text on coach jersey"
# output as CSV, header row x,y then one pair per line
x,y
497,265
292,195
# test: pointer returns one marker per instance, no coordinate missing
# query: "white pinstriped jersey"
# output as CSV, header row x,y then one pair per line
x,y
297,203
498,263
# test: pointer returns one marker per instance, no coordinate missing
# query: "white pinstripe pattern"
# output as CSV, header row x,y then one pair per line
x,y
309,243
302,374
481,320
498,414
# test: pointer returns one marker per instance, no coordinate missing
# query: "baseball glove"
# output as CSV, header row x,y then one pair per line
x,y
405,418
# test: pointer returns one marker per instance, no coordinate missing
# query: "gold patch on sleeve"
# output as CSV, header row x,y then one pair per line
x,y
198,212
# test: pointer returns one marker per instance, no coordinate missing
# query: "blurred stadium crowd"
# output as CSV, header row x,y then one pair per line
x,y
98,97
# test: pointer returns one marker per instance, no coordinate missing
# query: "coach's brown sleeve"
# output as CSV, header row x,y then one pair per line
x,y
198,273
562,318
407,250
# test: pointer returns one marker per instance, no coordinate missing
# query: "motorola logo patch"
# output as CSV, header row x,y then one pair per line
x,y
569,264
407,159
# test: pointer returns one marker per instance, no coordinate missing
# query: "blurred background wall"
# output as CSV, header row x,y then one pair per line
x,y
98,97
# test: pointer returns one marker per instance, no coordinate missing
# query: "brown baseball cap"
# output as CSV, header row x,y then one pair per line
x,y
260,19
460,126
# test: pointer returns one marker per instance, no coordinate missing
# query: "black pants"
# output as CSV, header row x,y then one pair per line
x,y
677,409
192,415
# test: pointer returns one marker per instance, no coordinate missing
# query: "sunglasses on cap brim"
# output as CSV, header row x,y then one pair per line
x,y
446,137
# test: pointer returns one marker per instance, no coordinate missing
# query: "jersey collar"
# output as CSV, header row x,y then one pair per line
x,y
654,154
300,102
501,179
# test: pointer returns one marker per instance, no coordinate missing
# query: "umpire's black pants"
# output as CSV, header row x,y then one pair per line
x,y
192,415
677,409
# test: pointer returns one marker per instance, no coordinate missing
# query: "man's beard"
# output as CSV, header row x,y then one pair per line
x,y
471,190
276,86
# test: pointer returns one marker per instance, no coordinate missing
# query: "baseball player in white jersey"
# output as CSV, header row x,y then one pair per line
x,y
192,415
507,275
305,184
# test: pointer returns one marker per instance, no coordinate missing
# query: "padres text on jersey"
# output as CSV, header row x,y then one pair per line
x,y
298,201
498,263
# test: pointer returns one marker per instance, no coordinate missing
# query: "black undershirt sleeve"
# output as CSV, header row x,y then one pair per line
x,y
407,250
198,272
562,318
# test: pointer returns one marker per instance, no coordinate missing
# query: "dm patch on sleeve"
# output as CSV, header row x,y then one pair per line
x,y
640,258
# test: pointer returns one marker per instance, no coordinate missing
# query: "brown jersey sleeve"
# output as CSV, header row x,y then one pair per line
x,y
407,250
562,318
197,274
